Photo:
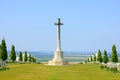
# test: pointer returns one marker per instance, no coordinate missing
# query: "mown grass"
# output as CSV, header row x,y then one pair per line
x,y
44,72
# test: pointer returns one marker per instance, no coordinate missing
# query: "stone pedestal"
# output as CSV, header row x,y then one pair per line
x,y
58,59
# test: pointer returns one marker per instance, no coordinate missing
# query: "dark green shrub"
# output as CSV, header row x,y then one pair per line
x,y
102,67
4,68
107,68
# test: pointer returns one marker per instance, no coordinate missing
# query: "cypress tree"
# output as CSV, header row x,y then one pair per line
x,y
29,58
0,56
88,60
20,56
3,53
94,57
99,56
25,56
13,54
105,57
33,59
3,50
91,58
0,52
114,54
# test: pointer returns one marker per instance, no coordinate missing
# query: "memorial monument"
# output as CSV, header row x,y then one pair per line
x,y
58,58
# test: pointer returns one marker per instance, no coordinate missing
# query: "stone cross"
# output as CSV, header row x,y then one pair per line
x,y
58,58
58,35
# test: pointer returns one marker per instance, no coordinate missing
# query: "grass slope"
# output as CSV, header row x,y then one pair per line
x,y
42,72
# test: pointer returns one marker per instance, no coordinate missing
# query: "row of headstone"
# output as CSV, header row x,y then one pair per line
x,y
112,65
17,58
3,63
93,61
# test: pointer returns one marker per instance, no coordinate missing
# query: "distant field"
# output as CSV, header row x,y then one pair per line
x,y
43,72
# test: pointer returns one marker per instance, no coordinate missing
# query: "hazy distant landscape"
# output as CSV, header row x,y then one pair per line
x,y
73,56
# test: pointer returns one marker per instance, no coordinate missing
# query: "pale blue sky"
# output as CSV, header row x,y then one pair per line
x,y
89,25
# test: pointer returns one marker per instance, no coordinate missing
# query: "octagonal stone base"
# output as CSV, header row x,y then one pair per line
x,y
57,63
58,59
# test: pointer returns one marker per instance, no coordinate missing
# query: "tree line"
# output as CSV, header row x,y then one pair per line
x,y
99,58
4,55
26,57
23,57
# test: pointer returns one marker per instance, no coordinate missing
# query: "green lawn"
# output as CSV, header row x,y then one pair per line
x,y
43,72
